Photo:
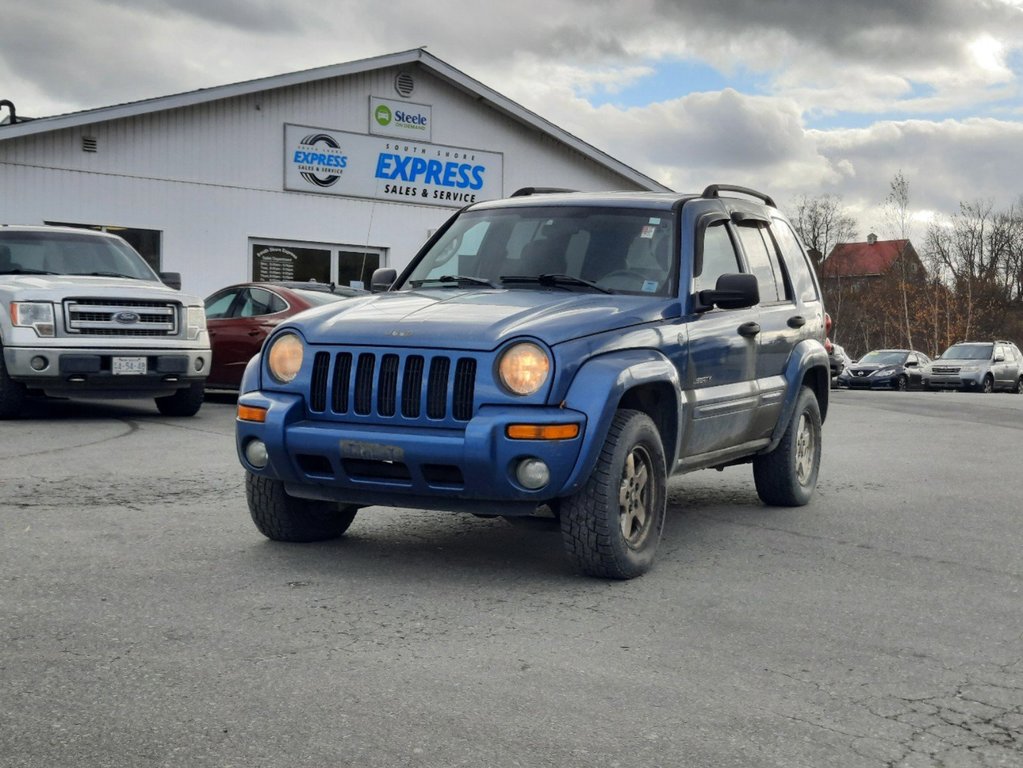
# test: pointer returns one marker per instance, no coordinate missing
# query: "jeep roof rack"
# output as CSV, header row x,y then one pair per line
x,y
527,191
714,190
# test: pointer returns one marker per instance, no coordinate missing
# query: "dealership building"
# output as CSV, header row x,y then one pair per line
x,y
323,174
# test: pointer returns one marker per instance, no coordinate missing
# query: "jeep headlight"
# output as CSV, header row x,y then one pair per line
x,y
195,322
523,368
284,357
37,315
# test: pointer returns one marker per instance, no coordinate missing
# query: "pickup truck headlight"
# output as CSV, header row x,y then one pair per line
x,y
524,368
195,322
284,357
37,315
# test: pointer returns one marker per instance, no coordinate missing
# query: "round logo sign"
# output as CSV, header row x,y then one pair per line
x,y
383,115
330,150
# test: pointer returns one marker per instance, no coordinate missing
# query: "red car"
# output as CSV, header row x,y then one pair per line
x,y
239,318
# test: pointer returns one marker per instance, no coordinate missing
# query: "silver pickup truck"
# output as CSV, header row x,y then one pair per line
x,y
84,315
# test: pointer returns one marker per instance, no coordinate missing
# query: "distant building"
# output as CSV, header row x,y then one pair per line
x,y
861,263
323,174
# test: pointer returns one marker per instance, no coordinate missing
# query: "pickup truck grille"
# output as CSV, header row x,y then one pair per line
x,y
393,385
116,317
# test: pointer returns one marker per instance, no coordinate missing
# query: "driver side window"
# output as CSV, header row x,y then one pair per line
x,y
718,257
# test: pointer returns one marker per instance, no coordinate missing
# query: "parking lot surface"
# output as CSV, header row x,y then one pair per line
x,y
144,621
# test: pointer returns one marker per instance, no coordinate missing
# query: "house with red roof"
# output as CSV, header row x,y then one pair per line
x,y
871,260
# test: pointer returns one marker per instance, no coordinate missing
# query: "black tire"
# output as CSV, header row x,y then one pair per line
x,y
787,476
988,385
12,393
902,384
281,517
1018,389
185,402
612,526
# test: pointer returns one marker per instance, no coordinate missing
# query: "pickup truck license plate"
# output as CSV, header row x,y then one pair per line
x,y
128,366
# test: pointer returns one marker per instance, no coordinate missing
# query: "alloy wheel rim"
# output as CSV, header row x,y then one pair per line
x,y
634,496
805,448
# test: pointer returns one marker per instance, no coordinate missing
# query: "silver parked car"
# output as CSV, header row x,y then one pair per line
x,y
981,366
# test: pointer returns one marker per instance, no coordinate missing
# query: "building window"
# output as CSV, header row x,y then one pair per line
x,y
145,241
274,261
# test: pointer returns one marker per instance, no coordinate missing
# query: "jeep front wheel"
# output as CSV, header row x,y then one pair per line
x,y
612,526
184,402
787,476
12,393
281,517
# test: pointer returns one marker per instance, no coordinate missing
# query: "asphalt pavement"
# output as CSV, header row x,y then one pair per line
x,y
145,622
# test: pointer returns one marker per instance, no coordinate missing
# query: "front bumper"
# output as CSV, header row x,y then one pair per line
x,y
961,380
868,382
89,370
403,465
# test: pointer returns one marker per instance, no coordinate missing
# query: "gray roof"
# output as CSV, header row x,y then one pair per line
x,y
418,56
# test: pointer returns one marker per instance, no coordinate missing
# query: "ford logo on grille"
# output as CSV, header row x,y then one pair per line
x,y
127,318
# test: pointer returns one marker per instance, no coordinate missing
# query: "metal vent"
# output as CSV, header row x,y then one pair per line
x,y
404,84
89,144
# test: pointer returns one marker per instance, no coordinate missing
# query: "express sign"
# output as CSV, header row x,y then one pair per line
x,y
356,165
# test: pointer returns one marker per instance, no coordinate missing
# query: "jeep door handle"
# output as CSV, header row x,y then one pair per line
x,y
798,321
749,329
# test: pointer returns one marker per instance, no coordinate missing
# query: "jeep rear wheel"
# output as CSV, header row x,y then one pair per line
x,y
612,526
12,393
281,517
787,476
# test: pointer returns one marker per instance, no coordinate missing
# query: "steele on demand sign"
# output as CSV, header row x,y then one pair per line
x,y
401,119
356,165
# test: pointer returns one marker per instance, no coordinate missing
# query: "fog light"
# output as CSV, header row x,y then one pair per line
x,y
39,363
255,453
199,363
532,474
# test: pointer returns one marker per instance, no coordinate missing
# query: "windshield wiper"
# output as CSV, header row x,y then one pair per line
x,y
106,274
455,281
548,279
25,271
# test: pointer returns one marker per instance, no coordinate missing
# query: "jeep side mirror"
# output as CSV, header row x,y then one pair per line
x,y
382,279
171,279
734,291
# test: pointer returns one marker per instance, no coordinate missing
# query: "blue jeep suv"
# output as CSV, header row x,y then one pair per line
x,y
564,351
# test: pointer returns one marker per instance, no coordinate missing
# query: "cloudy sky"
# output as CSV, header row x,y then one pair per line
x,y
797,97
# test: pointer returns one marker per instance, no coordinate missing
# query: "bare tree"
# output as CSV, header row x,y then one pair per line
x,y
897,213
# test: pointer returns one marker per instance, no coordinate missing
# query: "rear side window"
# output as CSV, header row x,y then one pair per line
x,y
763,262
797,260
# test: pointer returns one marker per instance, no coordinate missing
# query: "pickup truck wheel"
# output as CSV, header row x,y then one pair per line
x,y
281,517
12,393
612,526
185,402
787,476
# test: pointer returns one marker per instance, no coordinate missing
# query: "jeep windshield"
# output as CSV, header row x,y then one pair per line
x,y
553,248
69,253
968,352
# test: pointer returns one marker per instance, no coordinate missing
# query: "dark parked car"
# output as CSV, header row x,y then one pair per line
x,y
899,369
239,318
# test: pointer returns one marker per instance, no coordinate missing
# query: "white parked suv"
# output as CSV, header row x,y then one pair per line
x,y
981,366
82,314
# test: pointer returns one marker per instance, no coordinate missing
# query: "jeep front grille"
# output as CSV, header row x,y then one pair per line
x,y
391,385
120,317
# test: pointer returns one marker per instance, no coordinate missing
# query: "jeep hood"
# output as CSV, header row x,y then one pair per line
x,y
59,287
477,319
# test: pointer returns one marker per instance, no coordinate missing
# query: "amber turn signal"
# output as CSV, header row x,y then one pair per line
x,y
542,431
251,413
